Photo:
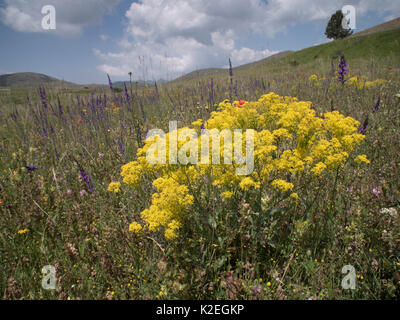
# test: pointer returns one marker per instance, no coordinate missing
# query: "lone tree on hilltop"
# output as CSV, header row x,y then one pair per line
x,y
334,29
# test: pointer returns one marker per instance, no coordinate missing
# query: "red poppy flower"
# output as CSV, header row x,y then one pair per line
x,y
351,74
241,103
114,106
79,121
389,68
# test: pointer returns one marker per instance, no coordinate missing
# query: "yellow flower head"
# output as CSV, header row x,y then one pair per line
x,y
135,227
282,185
114,187
362,158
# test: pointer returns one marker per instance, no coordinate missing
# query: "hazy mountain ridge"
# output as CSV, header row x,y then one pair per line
x,y
31,79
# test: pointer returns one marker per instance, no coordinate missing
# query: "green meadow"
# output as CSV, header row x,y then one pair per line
x,y
60,148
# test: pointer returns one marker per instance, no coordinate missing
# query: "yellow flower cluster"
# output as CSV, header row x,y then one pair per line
x,y
289,140
360,82
362,158
168,206
282,185
313,77
114,187
135,227
315,81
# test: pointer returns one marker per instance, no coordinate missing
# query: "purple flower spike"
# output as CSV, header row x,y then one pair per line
x,y
127,97
342,70
121,146
376,108
110,82
363,127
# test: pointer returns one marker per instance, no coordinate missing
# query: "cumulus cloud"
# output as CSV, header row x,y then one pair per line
x,y
71,15
166,38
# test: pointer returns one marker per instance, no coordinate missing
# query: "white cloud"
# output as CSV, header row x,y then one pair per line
x,y
104,37
166,38
71,15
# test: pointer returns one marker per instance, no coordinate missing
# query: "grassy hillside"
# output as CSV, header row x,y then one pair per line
x,y
212,72
30,79
379,45
376,45
198,74
390,25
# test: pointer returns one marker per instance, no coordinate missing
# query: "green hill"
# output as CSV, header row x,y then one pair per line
x,y
378,45
30,79
381,42
210,72
389,25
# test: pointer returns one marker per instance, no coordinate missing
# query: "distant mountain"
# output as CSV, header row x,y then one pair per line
x,y
149,82
30,79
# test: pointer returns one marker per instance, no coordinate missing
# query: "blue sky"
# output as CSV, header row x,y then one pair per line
x,y
163,38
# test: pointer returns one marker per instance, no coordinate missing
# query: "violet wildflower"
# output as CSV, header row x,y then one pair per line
x,y
342,70
86,178
363,127
60,108
43,96
110,82
128,98
121,146
31,168
376,108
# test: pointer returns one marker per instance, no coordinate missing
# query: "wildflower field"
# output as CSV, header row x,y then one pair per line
x,y
77,192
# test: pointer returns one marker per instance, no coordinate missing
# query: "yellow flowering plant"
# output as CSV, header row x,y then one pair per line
x,y
291,142
361,82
